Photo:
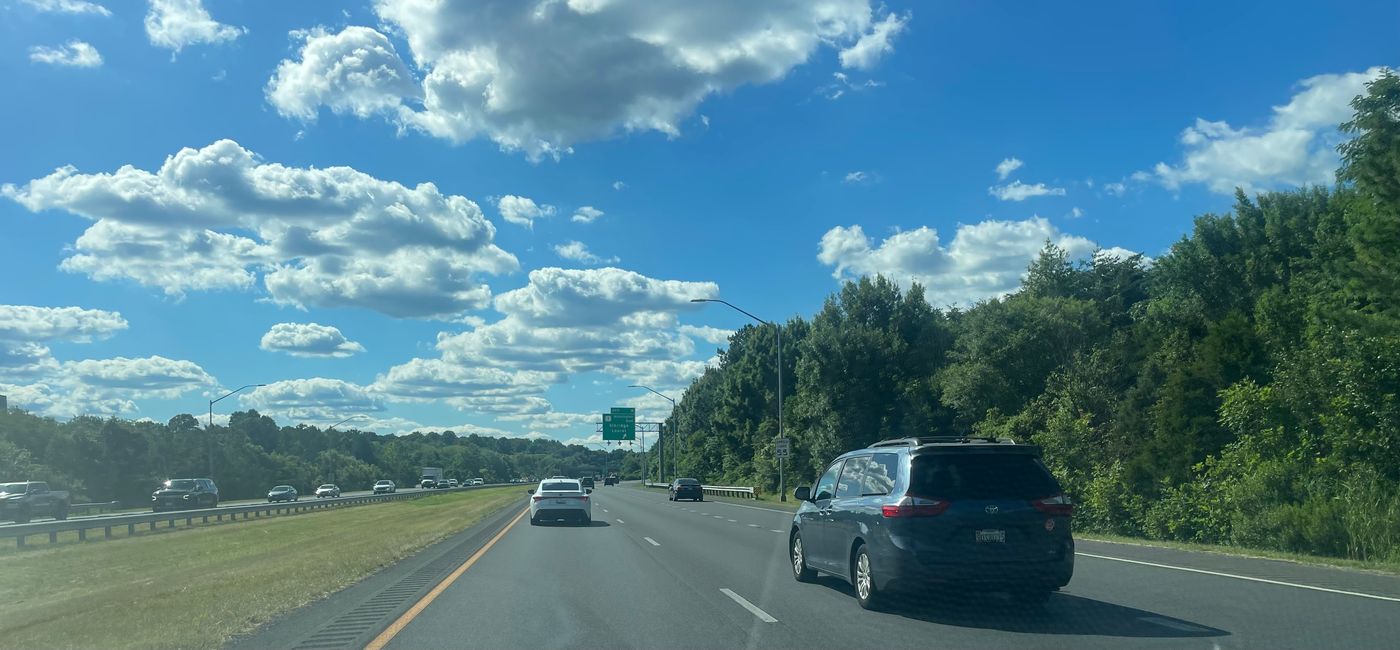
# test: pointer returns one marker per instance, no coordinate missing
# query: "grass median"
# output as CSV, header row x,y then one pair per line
x,y
197,588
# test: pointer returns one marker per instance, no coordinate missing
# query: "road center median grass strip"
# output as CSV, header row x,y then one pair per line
x,y
197,589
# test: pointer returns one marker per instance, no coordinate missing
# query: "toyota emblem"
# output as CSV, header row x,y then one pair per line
x,y
991,510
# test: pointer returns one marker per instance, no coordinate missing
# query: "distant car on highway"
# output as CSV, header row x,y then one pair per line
x,y
561,498
327,490
282,493
385,487
22,501
443,484
610,480
685,488
586,481
477,481
452,482
917,512
185,493
427,484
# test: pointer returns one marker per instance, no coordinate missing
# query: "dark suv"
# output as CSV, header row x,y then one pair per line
x,y
686,488
921,512
183,493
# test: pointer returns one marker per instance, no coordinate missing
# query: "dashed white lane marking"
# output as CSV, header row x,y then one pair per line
x,y
753,525
1175,625
653,542
731,521
717,516
753,609
605,509
1240,577
775,531
621,521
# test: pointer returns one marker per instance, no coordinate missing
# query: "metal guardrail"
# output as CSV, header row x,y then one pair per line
x,y
99,507
717,490
254,511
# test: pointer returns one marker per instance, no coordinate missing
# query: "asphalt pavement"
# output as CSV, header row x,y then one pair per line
x,y
649,573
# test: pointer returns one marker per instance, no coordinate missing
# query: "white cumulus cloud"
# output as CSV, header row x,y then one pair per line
x,y
522,211
1008,165
316,399
67,7
1296,147
1018,191
356,71
173,24
586,214
309,340
983,260
875,44
332,237
540,77
578,252
75,54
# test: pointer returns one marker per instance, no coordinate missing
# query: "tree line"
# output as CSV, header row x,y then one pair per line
x,y
1239,389
113,459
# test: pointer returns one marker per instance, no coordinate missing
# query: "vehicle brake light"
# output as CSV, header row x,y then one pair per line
x,y
537,497
911,506
1059,505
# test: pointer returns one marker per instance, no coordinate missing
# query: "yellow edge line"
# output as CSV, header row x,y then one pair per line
x,y
399,624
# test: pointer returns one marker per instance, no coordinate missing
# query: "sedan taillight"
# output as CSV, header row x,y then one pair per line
x,y
1059,505
910,506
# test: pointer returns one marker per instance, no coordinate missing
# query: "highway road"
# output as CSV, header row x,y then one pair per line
x,y
649,573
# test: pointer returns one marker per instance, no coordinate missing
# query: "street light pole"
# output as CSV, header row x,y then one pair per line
x,y
782,495
209,425
675,433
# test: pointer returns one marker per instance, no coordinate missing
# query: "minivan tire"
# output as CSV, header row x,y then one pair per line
x,y
867,594
797,557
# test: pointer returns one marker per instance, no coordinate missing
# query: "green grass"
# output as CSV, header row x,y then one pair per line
x,y
1389,568
198,586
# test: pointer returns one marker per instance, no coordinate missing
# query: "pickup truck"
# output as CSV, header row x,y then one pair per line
x,y
22,501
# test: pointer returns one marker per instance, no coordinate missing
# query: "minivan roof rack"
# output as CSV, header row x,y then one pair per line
x,y
929,440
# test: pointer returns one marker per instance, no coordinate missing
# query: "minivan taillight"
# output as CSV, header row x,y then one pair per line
x,y
1059,505
915,507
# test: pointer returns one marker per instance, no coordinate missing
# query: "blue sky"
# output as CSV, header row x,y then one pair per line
x,y
493,217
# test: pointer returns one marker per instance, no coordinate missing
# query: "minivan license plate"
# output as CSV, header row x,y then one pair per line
x,y
991,536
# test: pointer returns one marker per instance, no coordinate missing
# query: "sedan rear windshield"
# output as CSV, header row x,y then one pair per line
x,y
687,481
559,487
981,476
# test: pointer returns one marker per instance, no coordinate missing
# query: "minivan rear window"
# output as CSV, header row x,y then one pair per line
x,y
980,476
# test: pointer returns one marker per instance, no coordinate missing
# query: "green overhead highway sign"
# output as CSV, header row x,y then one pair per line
x,y
620,424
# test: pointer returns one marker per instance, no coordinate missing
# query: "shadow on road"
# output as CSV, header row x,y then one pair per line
x,y
573,524
1062,614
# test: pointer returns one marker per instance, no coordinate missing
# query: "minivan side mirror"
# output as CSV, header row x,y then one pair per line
x,y
530,491
803,493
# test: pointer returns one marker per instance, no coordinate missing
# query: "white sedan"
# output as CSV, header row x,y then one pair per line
x,y
557,499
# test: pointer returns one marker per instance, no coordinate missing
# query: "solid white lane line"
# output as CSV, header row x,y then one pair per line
x,y
753,609
1175,625
653,542
1240,577
736,505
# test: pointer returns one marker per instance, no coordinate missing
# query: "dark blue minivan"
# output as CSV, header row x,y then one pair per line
x,y
939,511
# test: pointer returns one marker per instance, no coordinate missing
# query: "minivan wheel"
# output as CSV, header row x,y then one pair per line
x,y
797,553
866,594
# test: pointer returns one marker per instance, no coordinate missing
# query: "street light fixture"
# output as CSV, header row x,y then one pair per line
x,y
209,426
782,496
675,428
357,415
